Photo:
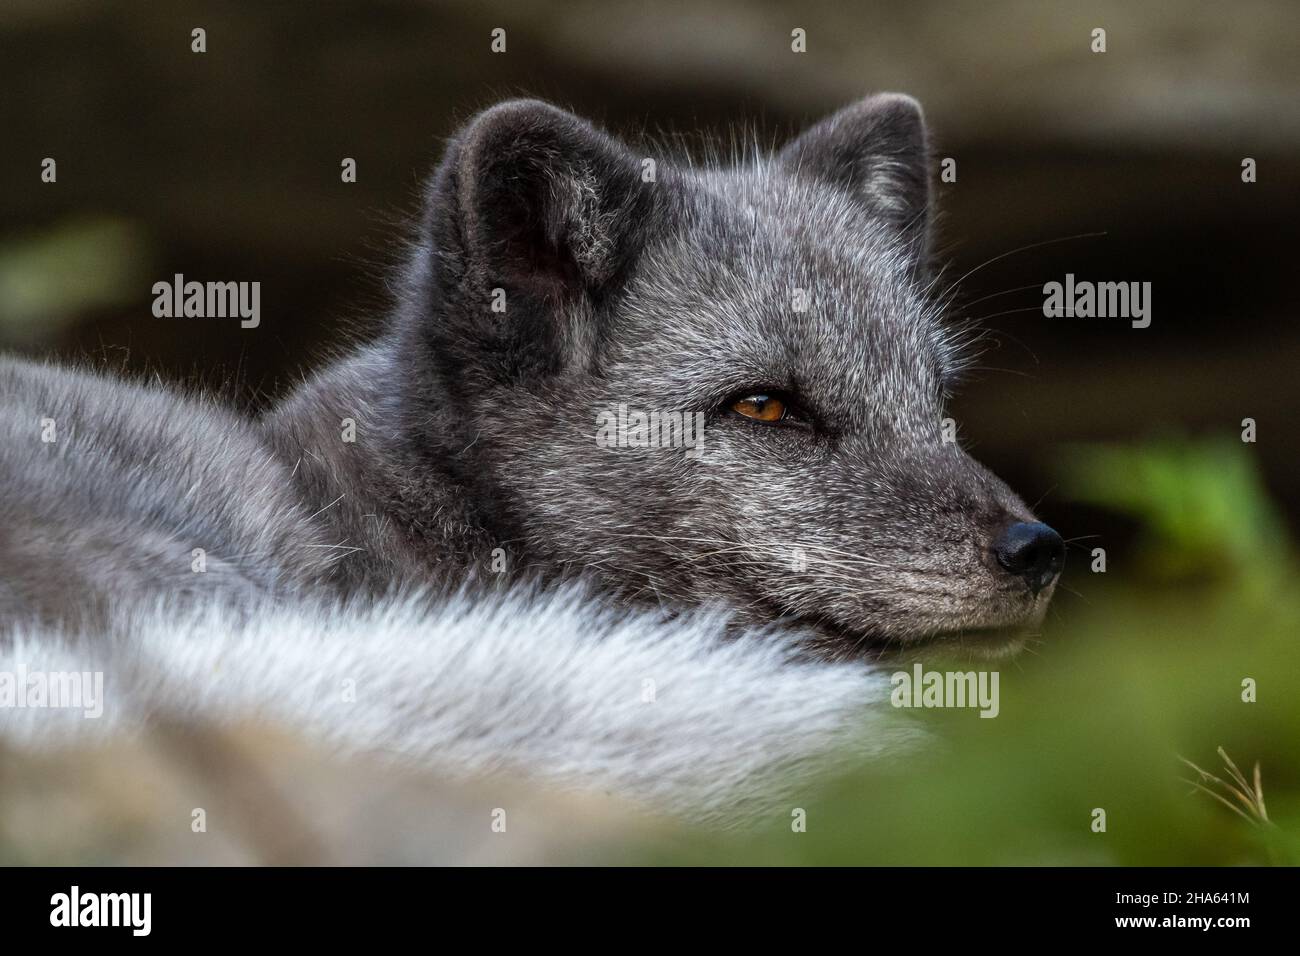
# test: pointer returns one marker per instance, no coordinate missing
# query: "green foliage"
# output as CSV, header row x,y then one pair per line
x,y
48,280
1126,683
1202,505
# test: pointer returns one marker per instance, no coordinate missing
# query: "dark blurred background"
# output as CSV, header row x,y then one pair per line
x,y
226,165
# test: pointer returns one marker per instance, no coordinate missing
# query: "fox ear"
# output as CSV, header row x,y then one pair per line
x,y
535,201
877,150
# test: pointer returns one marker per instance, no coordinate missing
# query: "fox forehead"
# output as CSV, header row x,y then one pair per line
x,y
760,278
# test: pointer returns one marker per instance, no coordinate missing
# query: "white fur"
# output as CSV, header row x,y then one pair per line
x,y
549,686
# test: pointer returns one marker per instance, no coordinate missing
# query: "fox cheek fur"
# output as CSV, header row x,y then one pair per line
x,y
554,281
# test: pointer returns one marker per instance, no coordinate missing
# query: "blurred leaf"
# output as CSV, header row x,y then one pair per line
x,y
1099,717
1202,504
46,280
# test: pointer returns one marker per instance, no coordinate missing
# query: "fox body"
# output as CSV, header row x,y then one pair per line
x,y
785,302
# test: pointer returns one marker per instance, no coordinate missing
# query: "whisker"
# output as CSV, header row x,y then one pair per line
x,y
1042,496
1032,245
994,295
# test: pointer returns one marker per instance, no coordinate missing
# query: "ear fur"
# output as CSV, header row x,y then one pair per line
x,y
533,216
877,150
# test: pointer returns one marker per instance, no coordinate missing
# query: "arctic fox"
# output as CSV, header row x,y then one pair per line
x,y
436,519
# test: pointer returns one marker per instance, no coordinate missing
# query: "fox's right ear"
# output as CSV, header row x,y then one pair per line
x,y
538,202
878,151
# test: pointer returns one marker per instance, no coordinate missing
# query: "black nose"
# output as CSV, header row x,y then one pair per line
x,y
1033,551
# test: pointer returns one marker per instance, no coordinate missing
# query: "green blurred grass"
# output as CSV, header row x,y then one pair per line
x,y
1148,668
50,280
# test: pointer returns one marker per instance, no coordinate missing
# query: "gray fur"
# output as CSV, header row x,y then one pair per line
x,y
673,295
475,429
135,478
535,686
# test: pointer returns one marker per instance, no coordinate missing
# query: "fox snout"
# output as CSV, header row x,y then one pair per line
x,y
1032,551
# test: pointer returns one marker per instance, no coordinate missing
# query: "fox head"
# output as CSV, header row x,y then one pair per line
x,y
569,296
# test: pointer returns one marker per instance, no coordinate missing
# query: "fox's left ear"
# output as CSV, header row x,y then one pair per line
x,y
878,151
532,217
533,198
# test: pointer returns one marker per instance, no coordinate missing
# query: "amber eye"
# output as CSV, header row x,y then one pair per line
x,y
761,408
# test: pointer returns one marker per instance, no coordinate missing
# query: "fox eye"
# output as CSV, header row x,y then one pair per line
x,y
761,408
